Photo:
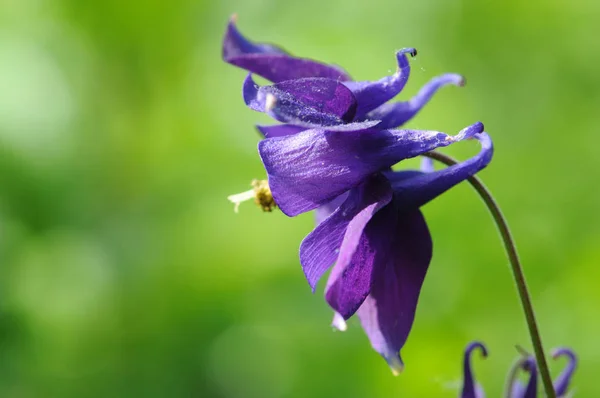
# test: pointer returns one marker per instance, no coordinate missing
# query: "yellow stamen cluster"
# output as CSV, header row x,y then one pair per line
x,y
260,192
263,196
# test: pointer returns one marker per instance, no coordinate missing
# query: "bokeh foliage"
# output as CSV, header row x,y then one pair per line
x,y
124,271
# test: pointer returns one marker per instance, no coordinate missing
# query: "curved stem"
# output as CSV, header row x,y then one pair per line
x,y
517,270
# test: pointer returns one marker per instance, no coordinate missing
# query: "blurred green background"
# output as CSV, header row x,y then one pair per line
x,y
124,272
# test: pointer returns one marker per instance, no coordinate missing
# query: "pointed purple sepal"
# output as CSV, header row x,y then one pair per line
x,y
272,62
309,169
387,314
416,189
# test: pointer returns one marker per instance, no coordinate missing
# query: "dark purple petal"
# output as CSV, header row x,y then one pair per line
x,y
272,62
561,384
279,130
362,254
320,249
470,388
387,314
370,95
309,169
316,101
397,113
422,187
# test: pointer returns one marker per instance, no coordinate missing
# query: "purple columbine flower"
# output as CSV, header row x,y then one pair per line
x,y
516,389
333,155
309,94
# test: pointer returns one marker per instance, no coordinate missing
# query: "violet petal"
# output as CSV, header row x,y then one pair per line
x,y
470,387
397,113
387,314
320,249
363,253
370,95
272,62
308,169
318,101
420,188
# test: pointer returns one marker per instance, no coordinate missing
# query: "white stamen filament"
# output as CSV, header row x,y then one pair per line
x,y
241,197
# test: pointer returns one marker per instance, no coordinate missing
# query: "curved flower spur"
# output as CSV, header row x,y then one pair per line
x,y
333,156
308,93
514,387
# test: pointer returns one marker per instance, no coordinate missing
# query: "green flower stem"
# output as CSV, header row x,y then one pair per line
x,y
517,270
